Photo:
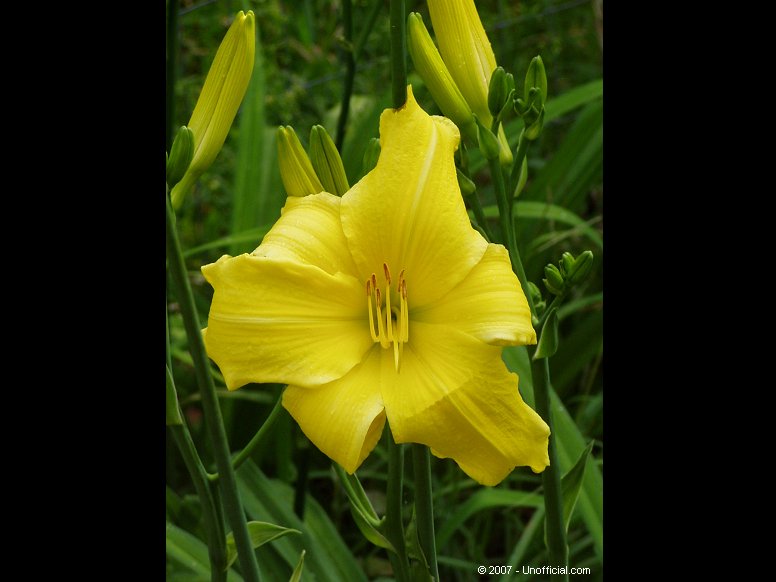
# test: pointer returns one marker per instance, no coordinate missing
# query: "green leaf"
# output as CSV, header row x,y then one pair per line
x,y
572,99
296,575
569,443
369,531
173,410
548,340
419,568
361,509
544,211
328,557
189,554
571,482
482,500
252,236
261,532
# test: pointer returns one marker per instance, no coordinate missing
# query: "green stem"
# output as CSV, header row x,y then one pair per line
x,y
350,71
424,505
367,28
517,166
172,63
398,54
557,547
508,228
394,527
244,454
215,424
216,541
302,475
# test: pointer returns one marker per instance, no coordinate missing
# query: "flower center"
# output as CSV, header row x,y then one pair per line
x,y
389,325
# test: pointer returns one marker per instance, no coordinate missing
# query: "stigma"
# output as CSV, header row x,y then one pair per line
x,y
388,313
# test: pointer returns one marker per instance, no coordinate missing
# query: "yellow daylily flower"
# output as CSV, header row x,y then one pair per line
x,y
385,304
223,91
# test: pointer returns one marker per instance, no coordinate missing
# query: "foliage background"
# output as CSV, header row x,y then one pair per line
x,y
298,80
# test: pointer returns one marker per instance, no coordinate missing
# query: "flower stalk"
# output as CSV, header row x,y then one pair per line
x,y
213,419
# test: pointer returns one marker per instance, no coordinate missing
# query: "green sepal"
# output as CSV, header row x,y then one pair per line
x,y
554,280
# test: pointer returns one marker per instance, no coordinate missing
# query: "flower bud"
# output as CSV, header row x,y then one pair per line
x,y
327,162
220,99
581,268
296,171
536,77
371,154
429,65
466,50
554,280
497,91
181,152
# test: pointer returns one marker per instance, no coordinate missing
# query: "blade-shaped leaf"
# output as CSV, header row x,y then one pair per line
x,y
190,553
548,340
571,482
296,575
261,532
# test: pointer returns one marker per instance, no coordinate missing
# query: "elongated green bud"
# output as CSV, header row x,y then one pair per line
x,y
536,77
429,65
497,91
327,162
371,154
296,170
220,99
181,152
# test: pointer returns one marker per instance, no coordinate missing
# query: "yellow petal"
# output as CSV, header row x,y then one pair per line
x,y
309,231
465,49
455,395
280,321
488,304
345,418
408,212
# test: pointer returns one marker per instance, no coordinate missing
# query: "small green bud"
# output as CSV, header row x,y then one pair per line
x,y
554,280
566,264
497,91
581,268
510,81
533,131
464,183
371,154
489,143
181,153
508,109
536,76
296,170
327,162
535,292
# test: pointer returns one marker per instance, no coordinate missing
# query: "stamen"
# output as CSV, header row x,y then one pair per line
x,y
405,312
387,274
371,312
380,324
